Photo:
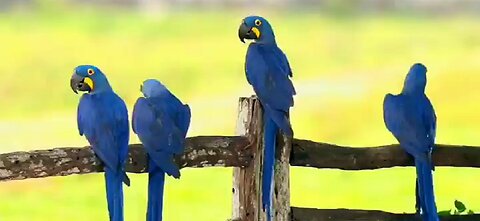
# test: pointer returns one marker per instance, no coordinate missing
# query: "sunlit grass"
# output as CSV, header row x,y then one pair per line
x,y
342,69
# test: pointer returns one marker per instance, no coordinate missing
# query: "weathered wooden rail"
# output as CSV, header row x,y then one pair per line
x,y
244,153
308,214
227,151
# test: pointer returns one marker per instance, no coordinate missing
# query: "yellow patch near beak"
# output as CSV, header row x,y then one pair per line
x,y
256,31
89,82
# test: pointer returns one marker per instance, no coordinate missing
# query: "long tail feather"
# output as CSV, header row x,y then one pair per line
x,y
165,162
418,202
126,179
281,119
113,181
426,192
268,166
156,182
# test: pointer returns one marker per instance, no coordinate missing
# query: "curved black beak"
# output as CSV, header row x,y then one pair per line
x,y
77,83
244,32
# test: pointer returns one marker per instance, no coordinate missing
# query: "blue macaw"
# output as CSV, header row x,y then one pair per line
x,y
103,118
269,72
161,122
411,119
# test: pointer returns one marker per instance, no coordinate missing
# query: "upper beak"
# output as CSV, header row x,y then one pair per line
x,y
244,32
79,83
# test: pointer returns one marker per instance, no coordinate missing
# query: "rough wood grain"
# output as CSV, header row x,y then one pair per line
x,y
307,214
244,185
282,179
257,163
200,152
321,155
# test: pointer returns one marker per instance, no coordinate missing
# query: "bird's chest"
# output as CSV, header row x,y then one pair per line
x,y
99,119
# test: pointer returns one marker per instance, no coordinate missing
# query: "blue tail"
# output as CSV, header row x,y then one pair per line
x,y
114,186
425,189
418,202
165,162
281,119
156,182
271,130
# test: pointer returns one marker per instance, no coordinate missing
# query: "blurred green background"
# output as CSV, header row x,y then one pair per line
x,y
345,56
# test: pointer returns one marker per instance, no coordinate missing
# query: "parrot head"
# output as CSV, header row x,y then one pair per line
x,y
90,79
152,88
256,28
416,79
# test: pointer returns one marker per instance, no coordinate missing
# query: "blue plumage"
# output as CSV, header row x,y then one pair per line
x,y
161,122
411,119
268,71
103,119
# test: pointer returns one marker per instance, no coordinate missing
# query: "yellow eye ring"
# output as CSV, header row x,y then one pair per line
x,y
258,22
90,72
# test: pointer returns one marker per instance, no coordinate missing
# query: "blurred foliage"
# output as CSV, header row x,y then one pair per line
x,y
343,66
459,209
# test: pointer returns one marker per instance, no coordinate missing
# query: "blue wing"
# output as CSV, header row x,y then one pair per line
x,y
142,112
156,128
286,64
104,122
183,119
178,112
268,72
405,118
430,121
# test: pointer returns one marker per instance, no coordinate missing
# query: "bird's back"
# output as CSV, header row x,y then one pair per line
x,y
406,117
155,122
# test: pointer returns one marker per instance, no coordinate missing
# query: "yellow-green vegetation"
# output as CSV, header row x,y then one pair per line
x,y
343,66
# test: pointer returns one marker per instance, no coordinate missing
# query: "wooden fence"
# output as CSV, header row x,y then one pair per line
x,y
244,153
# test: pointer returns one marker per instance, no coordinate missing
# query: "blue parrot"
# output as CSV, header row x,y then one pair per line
x,y
103,118
411,119
161,122
269,72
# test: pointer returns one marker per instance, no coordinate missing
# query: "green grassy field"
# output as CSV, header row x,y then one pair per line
x,y
343,66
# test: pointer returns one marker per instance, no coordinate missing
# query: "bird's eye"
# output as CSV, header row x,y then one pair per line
x,y
90,72
258,22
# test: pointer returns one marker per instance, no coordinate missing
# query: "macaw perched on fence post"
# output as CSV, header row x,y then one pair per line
x,y
161,122
268,71
411,119
103,118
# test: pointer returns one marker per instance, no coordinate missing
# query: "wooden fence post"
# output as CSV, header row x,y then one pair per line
x,y
247,203
282,179
246,181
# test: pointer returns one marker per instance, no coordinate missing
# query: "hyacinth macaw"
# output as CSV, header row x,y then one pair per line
x,y
269,72
161,122
411,119
103,118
